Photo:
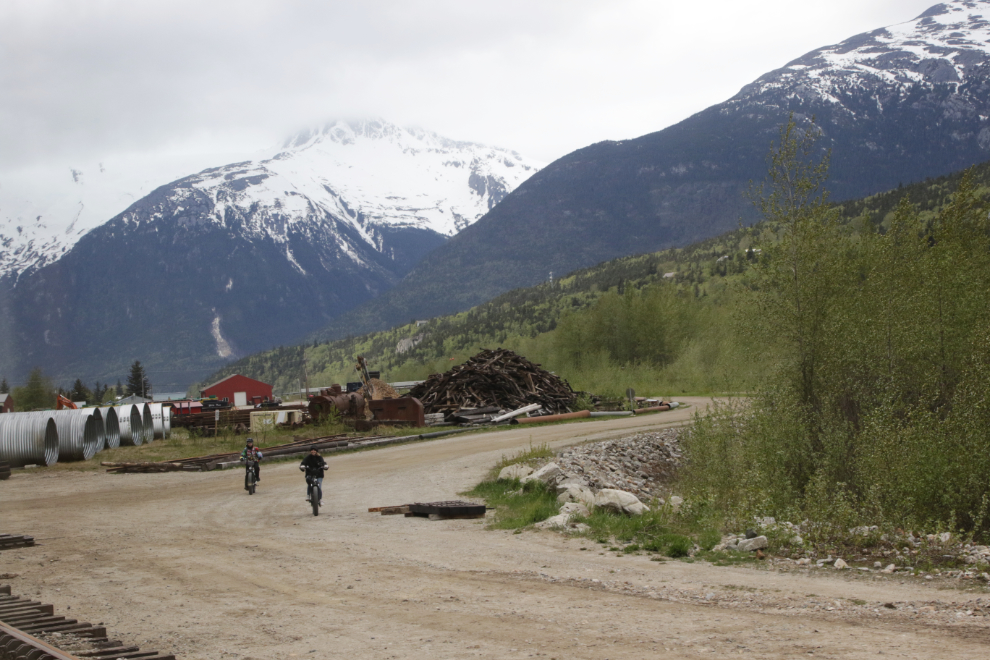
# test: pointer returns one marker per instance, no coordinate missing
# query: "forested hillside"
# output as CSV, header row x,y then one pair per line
x,y
661,322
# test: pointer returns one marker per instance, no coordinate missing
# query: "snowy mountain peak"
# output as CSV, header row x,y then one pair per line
x,y
369,175
944,45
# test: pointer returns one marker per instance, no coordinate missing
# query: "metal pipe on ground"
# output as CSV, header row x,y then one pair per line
x,y
515,413
131,426
77,435
654,409
101,427
611,413
111,427
28,439
167,422
157,421
554,418
148,422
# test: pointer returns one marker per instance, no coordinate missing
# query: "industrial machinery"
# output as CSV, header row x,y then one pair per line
x,y
349,405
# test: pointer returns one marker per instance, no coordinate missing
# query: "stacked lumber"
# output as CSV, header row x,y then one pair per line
x,y
8,541
494,379
298,446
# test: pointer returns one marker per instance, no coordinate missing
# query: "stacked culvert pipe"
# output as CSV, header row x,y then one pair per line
x,y
157,421
148,421
167,421
101,430
111,428
131,425
28,439
77,435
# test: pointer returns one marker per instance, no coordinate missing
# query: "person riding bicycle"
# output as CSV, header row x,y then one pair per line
x,y
314,465
250,452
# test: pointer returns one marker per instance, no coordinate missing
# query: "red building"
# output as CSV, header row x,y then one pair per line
x,y
239,390
6,403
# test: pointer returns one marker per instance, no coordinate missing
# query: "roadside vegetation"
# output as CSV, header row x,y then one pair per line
x,y
869,361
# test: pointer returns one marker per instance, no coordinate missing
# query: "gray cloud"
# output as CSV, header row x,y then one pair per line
x,y
81,79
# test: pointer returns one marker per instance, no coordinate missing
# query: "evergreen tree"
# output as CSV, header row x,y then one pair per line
x,y
137,382
4,387
37,394
80,392
120,388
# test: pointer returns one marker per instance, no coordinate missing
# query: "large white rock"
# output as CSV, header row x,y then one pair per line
x,y
558,521
580,494
750,545
675,503
571,482
550,474
619,501
575,509
517,471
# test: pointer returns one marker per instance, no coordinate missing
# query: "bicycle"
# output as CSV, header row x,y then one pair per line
x,y
249,477
315,492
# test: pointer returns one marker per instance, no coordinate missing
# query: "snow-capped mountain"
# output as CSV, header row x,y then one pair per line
x,y
948,45
895,105
367,174
245,256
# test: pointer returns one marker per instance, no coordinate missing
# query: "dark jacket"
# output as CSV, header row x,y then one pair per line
x,y
314,465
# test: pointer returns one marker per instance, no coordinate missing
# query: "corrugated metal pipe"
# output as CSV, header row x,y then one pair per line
x,y
148,421
167,421
131,426
101,430
77,436
111,428
28,439
157,421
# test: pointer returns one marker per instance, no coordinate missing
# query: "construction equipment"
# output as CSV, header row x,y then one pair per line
x,y
362,368
62,403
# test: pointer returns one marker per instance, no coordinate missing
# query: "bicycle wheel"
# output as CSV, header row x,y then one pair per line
x,y
314,496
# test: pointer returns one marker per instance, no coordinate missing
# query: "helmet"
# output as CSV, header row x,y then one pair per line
x,y
250,441
313,448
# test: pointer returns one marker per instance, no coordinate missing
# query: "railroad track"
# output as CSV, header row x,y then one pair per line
x,y
22,621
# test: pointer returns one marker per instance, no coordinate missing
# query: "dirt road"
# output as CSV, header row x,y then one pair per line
x,y
189,563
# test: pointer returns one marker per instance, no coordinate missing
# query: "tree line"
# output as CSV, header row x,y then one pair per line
x,y
40,392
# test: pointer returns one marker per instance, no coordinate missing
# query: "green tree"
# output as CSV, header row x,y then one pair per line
x,y
37,394
137,382
80,392
4,387
119,388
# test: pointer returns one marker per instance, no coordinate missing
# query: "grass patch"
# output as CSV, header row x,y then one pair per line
x,y
516,505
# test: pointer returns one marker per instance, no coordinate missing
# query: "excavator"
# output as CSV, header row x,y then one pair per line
x,y
62,403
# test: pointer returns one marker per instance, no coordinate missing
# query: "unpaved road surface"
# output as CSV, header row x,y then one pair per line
x,y
189,563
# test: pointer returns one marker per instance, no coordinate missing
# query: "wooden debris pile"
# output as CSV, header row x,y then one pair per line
x,y
498,379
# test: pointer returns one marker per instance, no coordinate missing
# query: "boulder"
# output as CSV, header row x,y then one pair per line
x,y
751,545
571,482
575,509
549,474
619,501
840,564
517,471
675,503
890,569
577,494
558,521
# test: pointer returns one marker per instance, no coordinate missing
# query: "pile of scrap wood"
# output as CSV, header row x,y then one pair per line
x,y
499,380
298,447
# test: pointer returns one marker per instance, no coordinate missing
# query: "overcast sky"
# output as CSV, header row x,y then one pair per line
x,y
87,79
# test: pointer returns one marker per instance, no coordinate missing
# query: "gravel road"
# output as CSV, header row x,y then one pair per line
x,y
190,564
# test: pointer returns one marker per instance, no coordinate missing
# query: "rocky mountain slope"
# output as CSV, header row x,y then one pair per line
x,y
250,255
898,104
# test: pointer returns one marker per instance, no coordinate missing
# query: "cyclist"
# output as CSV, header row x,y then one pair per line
x,y
314,465
251,452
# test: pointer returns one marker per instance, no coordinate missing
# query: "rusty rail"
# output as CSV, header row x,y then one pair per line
x,y
21,619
